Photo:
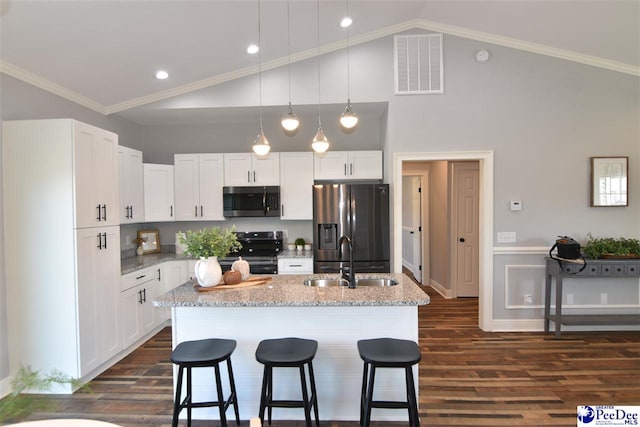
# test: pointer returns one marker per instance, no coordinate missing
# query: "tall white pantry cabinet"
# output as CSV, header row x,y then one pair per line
x,y
62,245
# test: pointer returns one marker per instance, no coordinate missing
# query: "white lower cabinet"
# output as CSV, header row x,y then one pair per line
x,y
295,266
173,274
136,304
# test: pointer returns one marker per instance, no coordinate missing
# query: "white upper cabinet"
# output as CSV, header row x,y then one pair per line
x,y
247,169
198,187
158,192
95,175
131,185
296,185
346,165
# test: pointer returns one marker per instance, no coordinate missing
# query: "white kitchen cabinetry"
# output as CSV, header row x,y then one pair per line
x,y
131,185
296,185
198,187
60,273
98,295
95,158
295,265
139,316
158,192
173,274
346,165
247,169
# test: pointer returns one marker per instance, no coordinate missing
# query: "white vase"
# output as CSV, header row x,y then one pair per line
x,y
208,271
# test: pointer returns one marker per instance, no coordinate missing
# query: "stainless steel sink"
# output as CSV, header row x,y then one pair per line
x,y
324,283
378,281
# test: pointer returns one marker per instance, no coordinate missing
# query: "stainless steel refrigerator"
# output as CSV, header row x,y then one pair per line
x,y
358,211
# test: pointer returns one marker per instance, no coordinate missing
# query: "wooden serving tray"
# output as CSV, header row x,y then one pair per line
x,y
253,281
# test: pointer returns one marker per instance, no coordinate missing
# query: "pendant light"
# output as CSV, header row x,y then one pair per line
x,y
348,119
261,144
320,143
290,121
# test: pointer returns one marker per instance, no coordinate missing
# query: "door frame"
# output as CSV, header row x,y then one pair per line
x,y
485,158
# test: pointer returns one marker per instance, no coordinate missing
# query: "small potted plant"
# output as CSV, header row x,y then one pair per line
x,y
299,243
609,247
209,245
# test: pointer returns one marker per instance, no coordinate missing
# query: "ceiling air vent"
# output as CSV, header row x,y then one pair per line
x,y
418,64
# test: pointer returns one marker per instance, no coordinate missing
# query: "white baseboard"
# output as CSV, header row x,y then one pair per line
x,y
5,387
518,325
446,293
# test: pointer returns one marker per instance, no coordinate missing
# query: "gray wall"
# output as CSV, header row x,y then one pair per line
x,y
542,117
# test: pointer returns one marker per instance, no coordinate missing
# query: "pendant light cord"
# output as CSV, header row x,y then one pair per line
x,y
260,65
289,48
348,62
318,60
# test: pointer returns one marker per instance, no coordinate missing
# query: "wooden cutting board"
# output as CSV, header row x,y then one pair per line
x,y
253,281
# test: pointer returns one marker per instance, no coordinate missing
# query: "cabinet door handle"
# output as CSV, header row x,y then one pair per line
x,y
140,297
196,210
140,277
99,241
281,210
105,240
104,215
254,176
350,168
171,211
131,207
248,176
345,169
159,275
144,295
98,218
201,214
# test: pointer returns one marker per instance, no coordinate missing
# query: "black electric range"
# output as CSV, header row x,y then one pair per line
x,y
259,248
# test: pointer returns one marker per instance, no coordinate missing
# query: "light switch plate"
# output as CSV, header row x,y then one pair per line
x,y
506,237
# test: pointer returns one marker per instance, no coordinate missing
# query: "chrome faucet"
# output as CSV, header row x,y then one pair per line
x,y
351,275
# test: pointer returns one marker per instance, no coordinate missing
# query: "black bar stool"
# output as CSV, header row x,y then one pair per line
x,y
201,354
288,353
388,353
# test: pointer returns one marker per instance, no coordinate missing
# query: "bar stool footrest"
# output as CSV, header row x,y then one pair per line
x,y
389,404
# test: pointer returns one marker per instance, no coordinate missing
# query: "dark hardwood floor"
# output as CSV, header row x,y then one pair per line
x,y
467,377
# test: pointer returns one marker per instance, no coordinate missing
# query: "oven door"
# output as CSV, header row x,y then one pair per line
x,y
257,265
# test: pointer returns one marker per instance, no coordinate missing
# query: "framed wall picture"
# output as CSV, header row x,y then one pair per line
x,y
150,240
609,181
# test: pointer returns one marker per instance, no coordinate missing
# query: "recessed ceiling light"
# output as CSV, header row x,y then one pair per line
x,y
252,48
161,75
346,22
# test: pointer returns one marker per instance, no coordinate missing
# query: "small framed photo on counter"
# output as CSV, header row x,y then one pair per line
x,y
150,240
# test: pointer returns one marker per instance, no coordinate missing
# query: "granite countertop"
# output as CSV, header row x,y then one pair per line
x,y
295,254
134,263
289,291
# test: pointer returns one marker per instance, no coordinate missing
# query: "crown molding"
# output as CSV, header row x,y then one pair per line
x,y
43,83
49,86
540,49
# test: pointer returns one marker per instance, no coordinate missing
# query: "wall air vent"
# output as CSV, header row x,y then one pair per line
x,y
418,64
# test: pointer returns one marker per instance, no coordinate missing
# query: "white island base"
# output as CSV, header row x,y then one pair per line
x,y
337,365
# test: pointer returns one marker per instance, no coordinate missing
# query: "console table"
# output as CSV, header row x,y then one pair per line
x,y
609,268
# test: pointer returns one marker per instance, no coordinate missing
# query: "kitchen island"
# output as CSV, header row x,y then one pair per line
x,y
337,317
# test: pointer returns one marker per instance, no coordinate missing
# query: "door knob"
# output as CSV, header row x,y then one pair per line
x,y
461,240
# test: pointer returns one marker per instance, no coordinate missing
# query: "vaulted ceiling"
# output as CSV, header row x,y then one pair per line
x,y
103,53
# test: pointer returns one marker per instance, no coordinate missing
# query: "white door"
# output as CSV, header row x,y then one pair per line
x,y
466,196
266,170
296,185
211,181
412,225
158,192
237,169
187,187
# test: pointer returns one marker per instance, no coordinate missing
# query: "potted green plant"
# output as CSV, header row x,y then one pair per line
x,y
299,243
209,245
609,247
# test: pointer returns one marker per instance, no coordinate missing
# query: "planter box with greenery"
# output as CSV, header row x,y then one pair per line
x,y
609,247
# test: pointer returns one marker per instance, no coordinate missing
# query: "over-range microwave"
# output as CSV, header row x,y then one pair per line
x,y
251,201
